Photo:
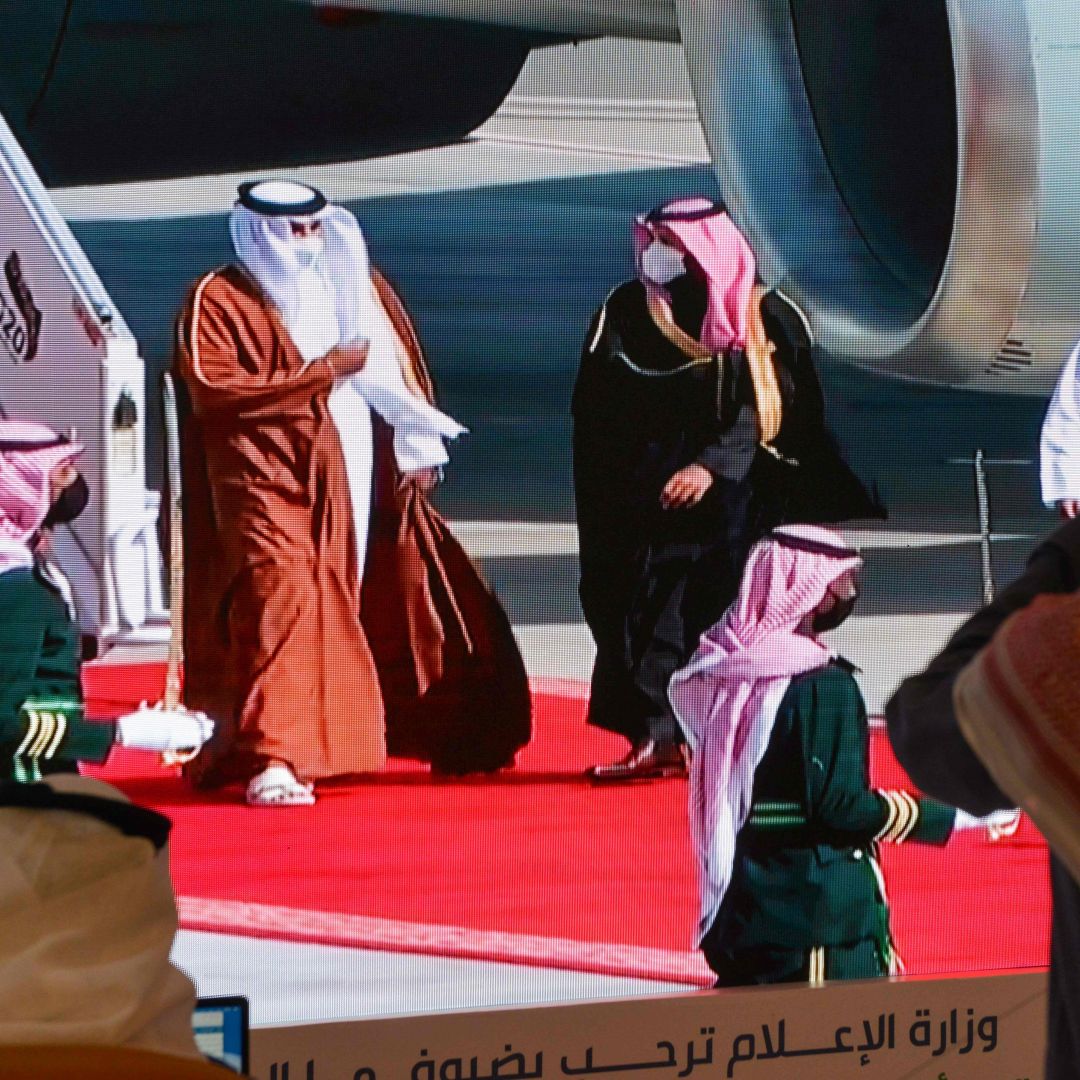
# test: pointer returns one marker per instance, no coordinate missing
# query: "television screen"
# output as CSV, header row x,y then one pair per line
x,y
435,579
221,1031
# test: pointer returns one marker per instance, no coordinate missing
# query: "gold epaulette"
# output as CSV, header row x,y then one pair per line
x,y
46,725
903,816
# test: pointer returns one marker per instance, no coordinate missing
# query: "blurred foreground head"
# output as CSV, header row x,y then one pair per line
x,y
87,922
1017,706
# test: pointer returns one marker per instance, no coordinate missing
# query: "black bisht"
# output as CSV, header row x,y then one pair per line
x,y
807,480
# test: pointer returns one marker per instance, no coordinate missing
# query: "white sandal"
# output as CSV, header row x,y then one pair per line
x,y
277,786
1004,829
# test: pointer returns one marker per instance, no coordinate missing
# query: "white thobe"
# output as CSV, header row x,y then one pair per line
x,y
419,428
1059,448
315,332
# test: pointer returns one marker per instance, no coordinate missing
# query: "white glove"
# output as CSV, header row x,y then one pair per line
x,y
163,730
998,823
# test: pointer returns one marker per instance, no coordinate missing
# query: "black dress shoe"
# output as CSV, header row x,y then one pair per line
x,y
648,760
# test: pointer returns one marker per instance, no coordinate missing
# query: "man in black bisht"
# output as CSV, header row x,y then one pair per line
x,y
698,425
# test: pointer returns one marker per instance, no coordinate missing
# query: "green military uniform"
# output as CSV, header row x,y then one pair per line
x,y
43,727
806,900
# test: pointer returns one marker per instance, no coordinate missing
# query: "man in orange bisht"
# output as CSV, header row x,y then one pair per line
x,y
330,617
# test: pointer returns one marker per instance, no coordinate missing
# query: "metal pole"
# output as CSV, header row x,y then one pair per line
x,y
982,496
176,543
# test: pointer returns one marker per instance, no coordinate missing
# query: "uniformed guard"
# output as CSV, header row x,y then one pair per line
x,y
43,726
784,821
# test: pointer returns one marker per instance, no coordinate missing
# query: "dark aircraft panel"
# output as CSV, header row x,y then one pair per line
x,y
110,90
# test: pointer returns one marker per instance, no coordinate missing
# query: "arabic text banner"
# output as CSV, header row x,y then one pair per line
x,y
954,1029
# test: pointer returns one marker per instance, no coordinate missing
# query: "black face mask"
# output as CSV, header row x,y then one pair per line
x,y
69,504
835,616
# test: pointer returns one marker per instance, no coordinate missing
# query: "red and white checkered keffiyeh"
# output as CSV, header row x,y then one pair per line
x,y
1017,707
727,697
723,254
29,453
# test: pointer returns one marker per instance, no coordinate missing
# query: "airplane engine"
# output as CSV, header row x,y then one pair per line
x,y
909,170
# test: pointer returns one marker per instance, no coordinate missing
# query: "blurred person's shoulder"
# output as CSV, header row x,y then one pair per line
x,y
1064,543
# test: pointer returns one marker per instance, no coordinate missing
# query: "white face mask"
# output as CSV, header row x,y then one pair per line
x,y
662,263
308,249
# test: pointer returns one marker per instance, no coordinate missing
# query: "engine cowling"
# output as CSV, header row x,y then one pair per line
x,y
907,170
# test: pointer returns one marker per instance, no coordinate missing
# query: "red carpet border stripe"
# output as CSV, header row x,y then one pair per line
x,y
430,939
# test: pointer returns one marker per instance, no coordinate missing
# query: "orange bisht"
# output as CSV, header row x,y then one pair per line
x,y
296,658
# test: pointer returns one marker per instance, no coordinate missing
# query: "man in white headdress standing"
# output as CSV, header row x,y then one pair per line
x,y
1059,444
329,614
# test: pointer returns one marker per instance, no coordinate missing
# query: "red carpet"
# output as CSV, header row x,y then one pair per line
x,y
535,866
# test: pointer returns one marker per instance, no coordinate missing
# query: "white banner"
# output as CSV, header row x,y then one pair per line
x,y
945,1029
